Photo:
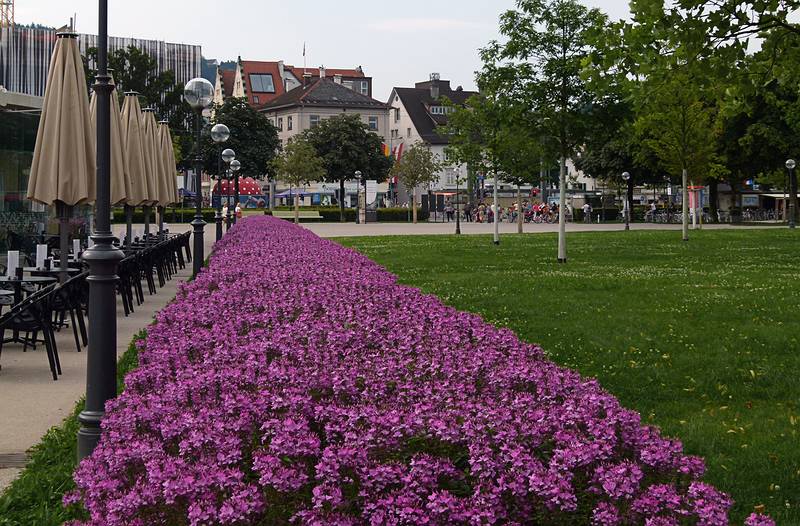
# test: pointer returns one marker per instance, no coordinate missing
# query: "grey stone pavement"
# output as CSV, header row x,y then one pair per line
x,y
32,402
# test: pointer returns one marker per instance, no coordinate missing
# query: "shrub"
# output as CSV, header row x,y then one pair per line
x,y
295,380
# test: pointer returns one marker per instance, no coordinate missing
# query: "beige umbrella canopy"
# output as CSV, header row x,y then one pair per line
x,y
133,138
164,197
64,163
120,185
152,165
169,163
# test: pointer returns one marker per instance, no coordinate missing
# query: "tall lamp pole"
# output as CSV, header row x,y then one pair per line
x,y
228,156
626,176
358,174
790,165
235,167
199,94
458,212
219,134
101,360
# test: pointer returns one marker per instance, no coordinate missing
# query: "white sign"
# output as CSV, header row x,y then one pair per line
x,y
41,255
372,191
13,262
76,247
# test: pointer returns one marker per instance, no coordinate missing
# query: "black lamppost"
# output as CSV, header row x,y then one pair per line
x,y
790,165
199,94
219,134
235,167
228,156
458,211
626,176
101,359
358,199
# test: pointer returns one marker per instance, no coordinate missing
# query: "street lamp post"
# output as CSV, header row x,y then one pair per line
x,y
790,165
219,134
626,176
228,156
358,175
102,257
235,167
199,94
458,212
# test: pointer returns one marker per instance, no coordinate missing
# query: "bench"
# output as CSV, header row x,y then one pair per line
x,y
303,214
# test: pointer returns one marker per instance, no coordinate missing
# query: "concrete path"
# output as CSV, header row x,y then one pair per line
x,y
404,229
31,402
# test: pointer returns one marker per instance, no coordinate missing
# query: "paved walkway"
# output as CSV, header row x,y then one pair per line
x,y
404,229
31,402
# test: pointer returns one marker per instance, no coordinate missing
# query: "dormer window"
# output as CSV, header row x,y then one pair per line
x,y
437,110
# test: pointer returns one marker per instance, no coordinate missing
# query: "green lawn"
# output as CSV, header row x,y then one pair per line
x,y
700,337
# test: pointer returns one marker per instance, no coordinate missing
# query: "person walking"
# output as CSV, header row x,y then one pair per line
x,y
587,213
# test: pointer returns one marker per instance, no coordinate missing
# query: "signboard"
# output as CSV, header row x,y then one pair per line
x,y
372,191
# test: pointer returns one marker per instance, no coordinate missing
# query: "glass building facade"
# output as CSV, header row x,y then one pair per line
x,y
20,220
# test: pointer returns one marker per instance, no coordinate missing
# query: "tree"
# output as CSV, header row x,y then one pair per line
x,y
346,146
253,137
298,165
678,126
550,42
418,166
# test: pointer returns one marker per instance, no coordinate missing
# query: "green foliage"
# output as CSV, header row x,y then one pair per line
x,y
696,337
35,496
253,137
299,164
418,166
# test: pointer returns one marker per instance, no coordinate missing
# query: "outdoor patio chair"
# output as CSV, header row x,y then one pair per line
x,y
32,316
69,299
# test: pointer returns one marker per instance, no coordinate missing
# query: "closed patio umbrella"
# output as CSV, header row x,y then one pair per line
x,y
133,137
161,172
168,160
120,185
63,171
152,163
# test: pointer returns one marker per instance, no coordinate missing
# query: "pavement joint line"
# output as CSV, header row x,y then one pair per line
x,y
13,460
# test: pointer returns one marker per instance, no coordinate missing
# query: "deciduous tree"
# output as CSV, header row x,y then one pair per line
x,y
418,166
298,165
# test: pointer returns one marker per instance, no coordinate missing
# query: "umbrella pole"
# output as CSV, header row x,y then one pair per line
x,y
63,212
128,226
160,214
146,221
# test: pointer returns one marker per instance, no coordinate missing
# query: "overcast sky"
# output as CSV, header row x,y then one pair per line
x,y
397,43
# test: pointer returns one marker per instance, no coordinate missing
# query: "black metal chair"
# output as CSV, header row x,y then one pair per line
x,y
34,315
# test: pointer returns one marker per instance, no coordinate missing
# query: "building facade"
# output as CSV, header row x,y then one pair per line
x,y
25,57
415,115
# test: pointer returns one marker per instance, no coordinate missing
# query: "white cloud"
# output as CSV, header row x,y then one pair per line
x,y
408,25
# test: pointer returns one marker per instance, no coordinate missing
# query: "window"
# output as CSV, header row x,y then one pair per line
x,y
313,120
365,87
255,99
396,114
395,134
373,123
408,132
348,84
446,156
289,123
437,110
280,123
262,83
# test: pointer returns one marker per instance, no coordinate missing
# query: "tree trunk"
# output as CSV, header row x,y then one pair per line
x,y
520,213
713,200
562,219
297,209
414,204
470,187
685,204
341,200
629,196
496,214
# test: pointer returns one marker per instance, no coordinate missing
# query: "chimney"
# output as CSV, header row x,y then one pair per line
x,y
306,79
337,79
435,85
322,72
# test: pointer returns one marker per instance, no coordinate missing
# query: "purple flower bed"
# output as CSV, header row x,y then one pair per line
x,y
294,381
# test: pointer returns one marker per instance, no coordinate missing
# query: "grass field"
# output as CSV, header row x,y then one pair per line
x,y
700,337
